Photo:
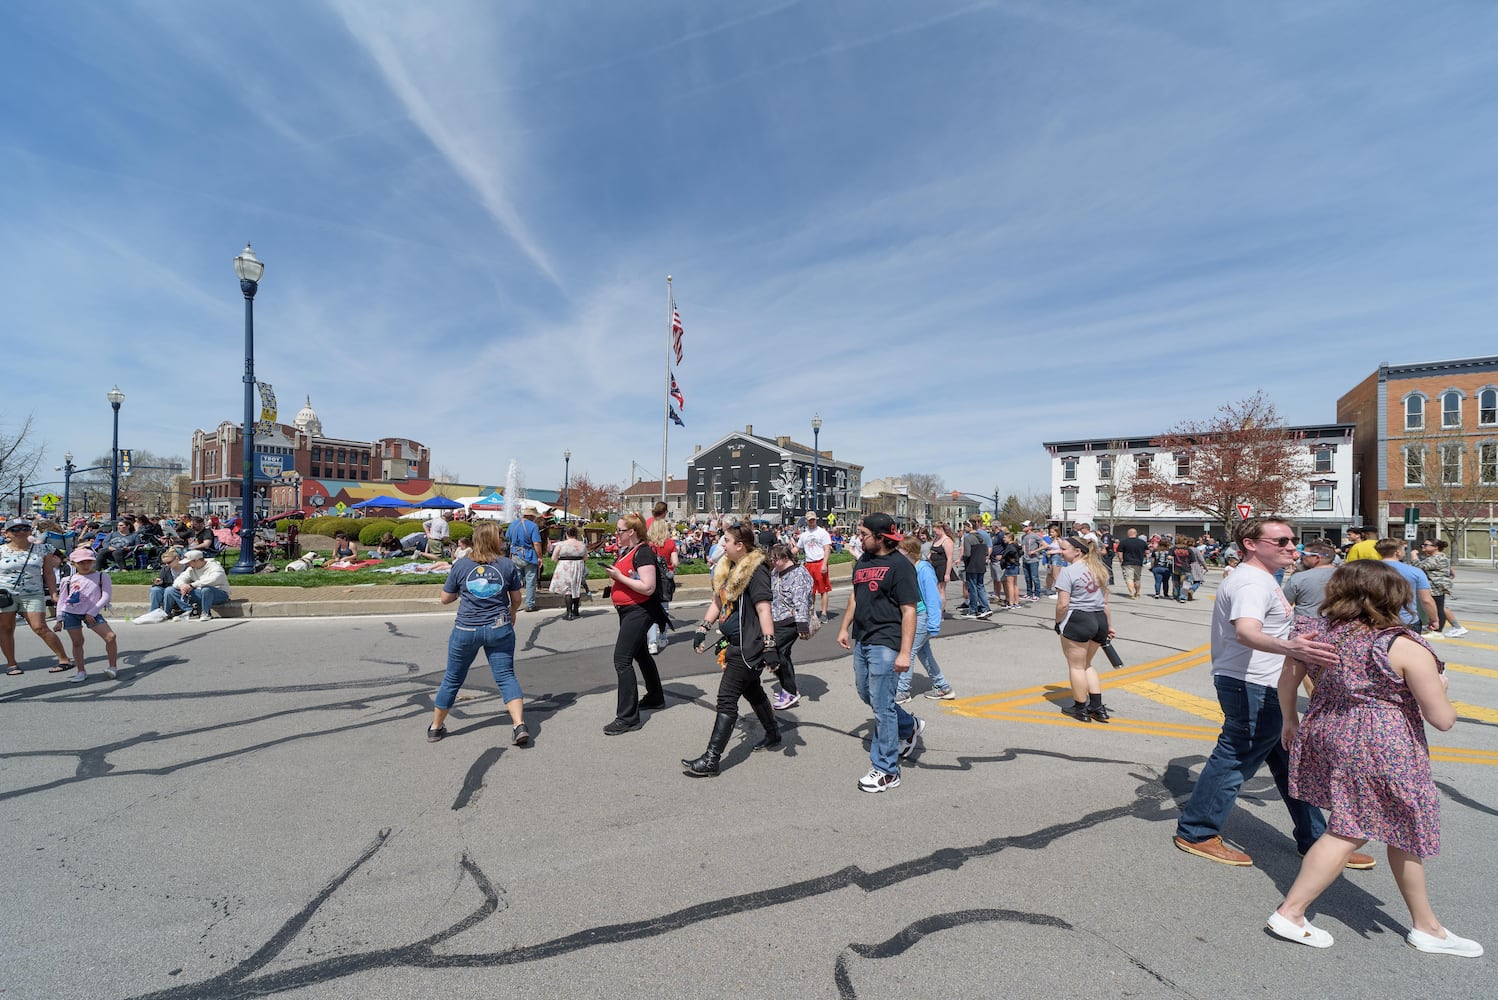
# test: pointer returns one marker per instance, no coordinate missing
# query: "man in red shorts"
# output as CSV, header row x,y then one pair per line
x,y
816,545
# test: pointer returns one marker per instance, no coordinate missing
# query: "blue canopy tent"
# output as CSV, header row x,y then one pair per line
x,y
439,503
381,502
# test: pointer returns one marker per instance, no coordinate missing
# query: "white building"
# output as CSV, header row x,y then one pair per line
x,y
1087,474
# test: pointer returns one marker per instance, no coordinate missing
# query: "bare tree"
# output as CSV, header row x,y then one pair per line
x,y
1455,476
1244,454
147,485
445,475
20,455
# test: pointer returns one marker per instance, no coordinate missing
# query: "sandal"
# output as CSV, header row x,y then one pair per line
x,y
14,672
60,668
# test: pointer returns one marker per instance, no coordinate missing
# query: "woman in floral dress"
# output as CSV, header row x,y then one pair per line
x,y
1361,752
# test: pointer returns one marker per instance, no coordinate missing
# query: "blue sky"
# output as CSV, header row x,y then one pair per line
x,y
954,229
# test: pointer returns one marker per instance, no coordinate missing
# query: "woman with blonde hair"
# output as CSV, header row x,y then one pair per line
x,y
1361,752
634,578
742,594
664,546
1082,623
487,586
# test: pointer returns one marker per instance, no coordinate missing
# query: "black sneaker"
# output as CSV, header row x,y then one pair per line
x,y
435,735
985,613
619,726
1078,712
654,706
520,735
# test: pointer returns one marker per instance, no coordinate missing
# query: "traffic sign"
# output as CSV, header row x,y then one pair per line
x,y
1411,532
1244,510
340,507
48,501
1412,515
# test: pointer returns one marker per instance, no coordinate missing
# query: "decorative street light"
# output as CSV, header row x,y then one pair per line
x,y
816,454
67,486
115,397
249,269
566,480
296,485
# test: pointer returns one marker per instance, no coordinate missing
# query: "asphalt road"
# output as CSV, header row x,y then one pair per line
x,y
252,809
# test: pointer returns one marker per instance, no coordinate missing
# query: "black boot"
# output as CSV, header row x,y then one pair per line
x,y
766,715
707,765
576,610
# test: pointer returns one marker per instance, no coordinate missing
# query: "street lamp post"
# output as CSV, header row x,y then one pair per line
x,y
249,269
67,487
566,480
115,397
296,486
816,454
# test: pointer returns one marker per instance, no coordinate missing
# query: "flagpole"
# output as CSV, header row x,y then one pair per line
x,y
666,391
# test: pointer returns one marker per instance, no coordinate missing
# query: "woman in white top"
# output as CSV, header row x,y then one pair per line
x,y
1082,623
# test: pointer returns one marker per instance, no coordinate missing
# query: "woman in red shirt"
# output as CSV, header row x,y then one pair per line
x,y
634,576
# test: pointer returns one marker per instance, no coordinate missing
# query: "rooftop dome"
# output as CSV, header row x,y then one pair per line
x,y
306,420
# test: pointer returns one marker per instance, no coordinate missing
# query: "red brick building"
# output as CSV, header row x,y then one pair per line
x,y
1427,437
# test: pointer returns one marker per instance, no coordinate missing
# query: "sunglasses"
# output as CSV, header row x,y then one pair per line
x,y
1281,542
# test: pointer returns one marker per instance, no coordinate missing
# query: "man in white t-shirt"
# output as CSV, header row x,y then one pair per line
x,y
437,532
814,544
1251,623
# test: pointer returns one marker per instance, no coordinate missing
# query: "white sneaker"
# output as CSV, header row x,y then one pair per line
x,y
877,781
78,678
109,672
906,746
151,617
1448,945
1304,933
1454,631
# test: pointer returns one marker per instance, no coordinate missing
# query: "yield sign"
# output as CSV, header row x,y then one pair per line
x,y
1244,510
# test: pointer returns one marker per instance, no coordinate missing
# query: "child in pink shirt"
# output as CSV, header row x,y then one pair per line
x,y
81,601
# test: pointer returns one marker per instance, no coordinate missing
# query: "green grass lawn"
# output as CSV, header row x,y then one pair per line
x,y
346,578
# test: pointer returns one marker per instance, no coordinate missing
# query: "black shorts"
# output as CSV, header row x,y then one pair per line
x,y
1085,626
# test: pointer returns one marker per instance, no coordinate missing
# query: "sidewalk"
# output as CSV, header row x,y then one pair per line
x,y
250,601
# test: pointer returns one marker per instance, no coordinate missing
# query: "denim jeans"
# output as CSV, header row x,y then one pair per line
x,y
1162,580
1250,737
921,650
977,597
1033,578
874,677
532,573
158,598
497,643
203,597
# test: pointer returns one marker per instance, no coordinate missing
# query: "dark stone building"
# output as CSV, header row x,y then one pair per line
x,y
755,476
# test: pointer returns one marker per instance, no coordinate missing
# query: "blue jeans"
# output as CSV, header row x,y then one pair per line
x,y
463,645
1162,580
874,677
1033,578
921,650
203,597
532,572
158,598
1250,737
977,597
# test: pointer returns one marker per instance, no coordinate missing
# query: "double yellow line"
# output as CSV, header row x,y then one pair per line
x,y
1021,705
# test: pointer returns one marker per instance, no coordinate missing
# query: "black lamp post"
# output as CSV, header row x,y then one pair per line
x,y
249,268
816,454
67,487
115,397
296,485
566,480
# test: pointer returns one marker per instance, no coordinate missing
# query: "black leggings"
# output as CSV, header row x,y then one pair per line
x,y
740,679
786,634
1441,619
629,649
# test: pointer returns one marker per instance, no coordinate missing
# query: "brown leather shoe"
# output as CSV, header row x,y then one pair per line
x,y
1213,849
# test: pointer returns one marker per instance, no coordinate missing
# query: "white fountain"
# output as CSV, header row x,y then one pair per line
x,y
514,492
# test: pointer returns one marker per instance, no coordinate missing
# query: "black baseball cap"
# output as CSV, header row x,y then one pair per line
x,y
884,526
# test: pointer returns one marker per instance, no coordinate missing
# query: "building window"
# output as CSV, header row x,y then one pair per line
x,y
701,479
1104,500
1068,499
342,455
702,501
1068,468
365,458
1487,464
1451,464
1414,466
1323,497
1142,466
316,454
1451,409
1105,467
1487,408
364,474
1141,506
1183,466
1323,460
1414,413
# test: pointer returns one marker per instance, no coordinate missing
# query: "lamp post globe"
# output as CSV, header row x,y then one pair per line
x,y
249,270
816,455
115,397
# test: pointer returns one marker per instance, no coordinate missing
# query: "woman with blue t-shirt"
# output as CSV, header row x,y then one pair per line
x,y
487,587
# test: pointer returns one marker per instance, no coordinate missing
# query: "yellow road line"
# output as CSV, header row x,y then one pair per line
x,y
1191,704
1190,657
1478,712
1462,642
1462,668
1482,628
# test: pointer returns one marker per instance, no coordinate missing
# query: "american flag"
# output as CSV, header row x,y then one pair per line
x,y
676,331
681,403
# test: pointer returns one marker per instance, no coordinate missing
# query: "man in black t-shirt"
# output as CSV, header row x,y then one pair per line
x,y
879,627
1132,552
